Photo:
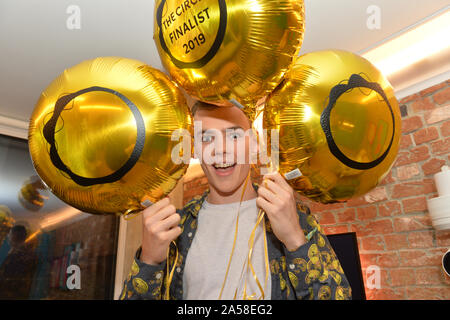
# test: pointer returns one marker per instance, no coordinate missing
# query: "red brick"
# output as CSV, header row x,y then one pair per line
x,y
327,218
346,215
428,276
415,204
387,179
374,243
411,124
408,171
441,147
443,238
335,229
432,89
408,189
422,105
318,207
428,293
416,154
389,208
191,191
386,294
437,115
336,205
432,166
376,195
445,129
368,259
366,213
411,223
355,202
396,241
442,96
405,142
420,258
426,135
402,277
410,98
389,260
420,239
382,226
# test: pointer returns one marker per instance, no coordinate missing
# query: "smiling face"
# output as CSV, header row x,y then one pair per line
x,y
224,143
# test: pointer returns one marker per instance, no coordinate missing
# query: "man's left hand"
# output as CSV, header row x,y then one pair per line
x,y
276,198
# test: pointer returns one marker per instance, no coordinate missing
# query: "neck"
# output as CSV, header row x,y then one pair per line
x,y
217,197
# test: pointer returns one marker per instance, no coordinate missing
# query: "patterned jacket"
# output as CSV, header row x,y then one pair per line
x,y
311,272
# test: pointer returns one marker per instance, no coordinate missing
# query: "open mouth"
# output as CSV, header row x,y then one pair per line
x,y
224,169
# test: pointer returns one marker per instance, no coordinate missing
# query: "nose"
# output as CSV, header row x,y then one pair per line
x,y
223,151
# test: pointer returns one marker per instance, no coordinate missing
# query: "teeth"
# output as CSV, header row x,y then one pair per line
x,y
225,165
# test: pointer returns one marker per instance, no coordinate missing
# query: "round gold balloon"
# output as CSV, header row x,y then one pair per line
x,y
6,222
339,125
228,51
100,136
32,194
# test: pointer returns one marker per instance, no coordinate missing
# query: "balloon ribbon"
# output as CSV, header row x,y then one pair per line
x,y
169,275
251,243
235,237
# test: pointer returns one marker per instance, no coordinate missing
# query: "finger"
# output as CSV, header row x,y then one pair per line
x,y
155,207
265,205
161,214
172,234
267,194
169,222
281,181
275,188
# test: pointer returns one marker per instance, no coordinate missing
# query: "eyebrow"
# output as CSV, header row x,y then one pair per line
x,y
229,128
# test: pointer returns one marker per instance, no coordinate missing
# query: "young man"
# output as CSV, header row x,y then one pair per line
x,y
299,259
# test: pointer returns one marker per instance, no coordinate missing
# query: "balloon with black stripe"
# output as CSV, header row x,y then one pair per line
x,y
339,125
100,136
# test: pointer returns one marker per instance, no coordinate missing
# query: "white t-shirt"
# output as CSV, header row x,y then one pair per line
x,y
208,257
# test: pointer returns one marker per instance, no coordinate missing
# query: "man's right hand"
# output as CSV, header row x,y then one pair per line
x,y
161,227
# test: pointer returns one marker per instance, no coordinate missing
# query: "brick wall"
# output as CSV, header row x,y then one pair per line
x,y
194,187
392,222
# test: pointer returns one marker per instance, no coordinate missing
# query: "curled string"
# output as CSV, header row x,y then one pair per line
x,y
251,244
169,275
235,237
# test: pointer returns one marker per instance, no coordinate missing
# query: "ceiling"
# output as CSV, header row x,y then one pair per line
x,y
36,45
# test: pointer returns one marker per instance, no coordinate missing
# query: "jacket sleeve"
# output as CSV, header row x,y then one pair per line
x,y
144,281
313,269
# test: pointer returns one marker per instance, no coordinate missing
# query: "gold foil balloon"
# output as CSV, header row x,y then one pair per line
x,y
339,125
100,135
228,51
6,222
32,194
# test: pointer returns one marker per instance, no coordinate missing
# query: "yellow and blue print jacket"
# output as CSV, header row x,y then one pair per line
x,y
310,272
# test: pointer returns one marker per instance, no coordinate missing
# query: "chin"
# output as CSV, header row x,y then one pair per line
x,y
226,179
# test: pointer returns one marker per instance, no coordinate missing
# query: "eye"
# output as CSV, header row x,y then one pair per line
x,y
234,135
207,138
